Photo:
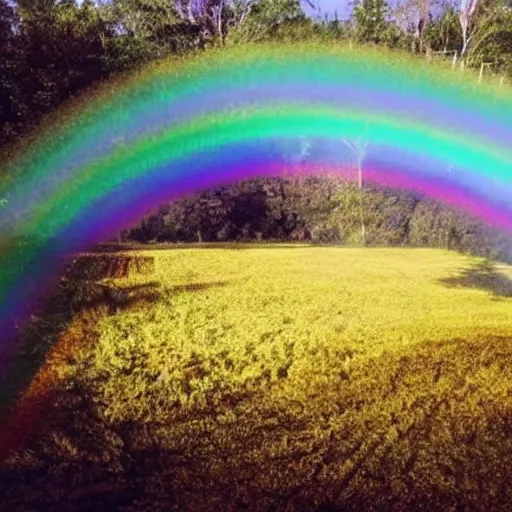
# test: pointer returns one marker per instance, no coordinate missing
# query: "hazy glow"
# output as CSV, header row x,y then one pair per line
x,y
237,114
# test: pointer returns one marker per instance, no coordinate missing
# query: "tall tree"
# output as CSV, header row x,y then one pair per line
x,y
214,18
10,61
269,19
153,28
467,11
443,31
63,46
372,23
492,36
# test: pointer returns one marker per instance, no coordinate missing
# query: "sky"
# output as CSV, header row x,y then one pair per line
x,y
323,7
329,7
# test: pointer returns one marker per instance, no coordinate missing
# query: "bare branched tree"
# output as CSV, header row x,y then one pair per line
x,y
358,149
214,17
413,17
467,11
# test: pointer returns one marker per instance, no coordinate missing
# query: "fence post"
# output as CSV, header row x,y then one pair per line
x,y
482,67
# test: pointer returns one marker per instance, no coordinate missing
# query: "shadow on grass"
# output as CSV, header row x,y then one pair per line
x,y
41,334
483,276
97,266
424,429
70,299
90,295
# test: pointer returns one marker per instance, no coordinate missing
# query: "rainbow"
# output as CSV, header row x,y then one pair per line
x,y
237,113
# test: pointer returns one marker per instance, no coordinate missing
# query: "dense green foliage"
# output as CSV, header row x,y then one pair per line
x,y
51,50
321,209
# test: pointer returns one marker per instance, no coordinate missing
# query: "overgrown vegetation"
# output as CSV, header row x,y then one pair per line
x,y
278,378
320,209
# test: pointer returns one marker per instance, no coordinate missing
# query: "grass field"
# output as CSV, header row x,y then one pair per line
x,y
273,378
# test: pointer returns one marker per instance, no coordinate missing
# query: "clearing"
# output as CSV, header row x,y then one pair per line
x,y
275,377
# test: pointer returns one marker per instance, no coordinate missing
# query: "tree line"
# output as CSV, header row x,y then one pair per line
x,y
52,50
319,209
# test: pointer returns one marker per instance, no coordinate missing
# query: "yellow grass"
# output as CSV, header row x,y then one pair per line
x,y
376,379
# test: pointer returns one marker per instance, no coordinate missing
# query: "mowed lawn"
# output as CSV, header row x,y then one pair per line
x,y
273,378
